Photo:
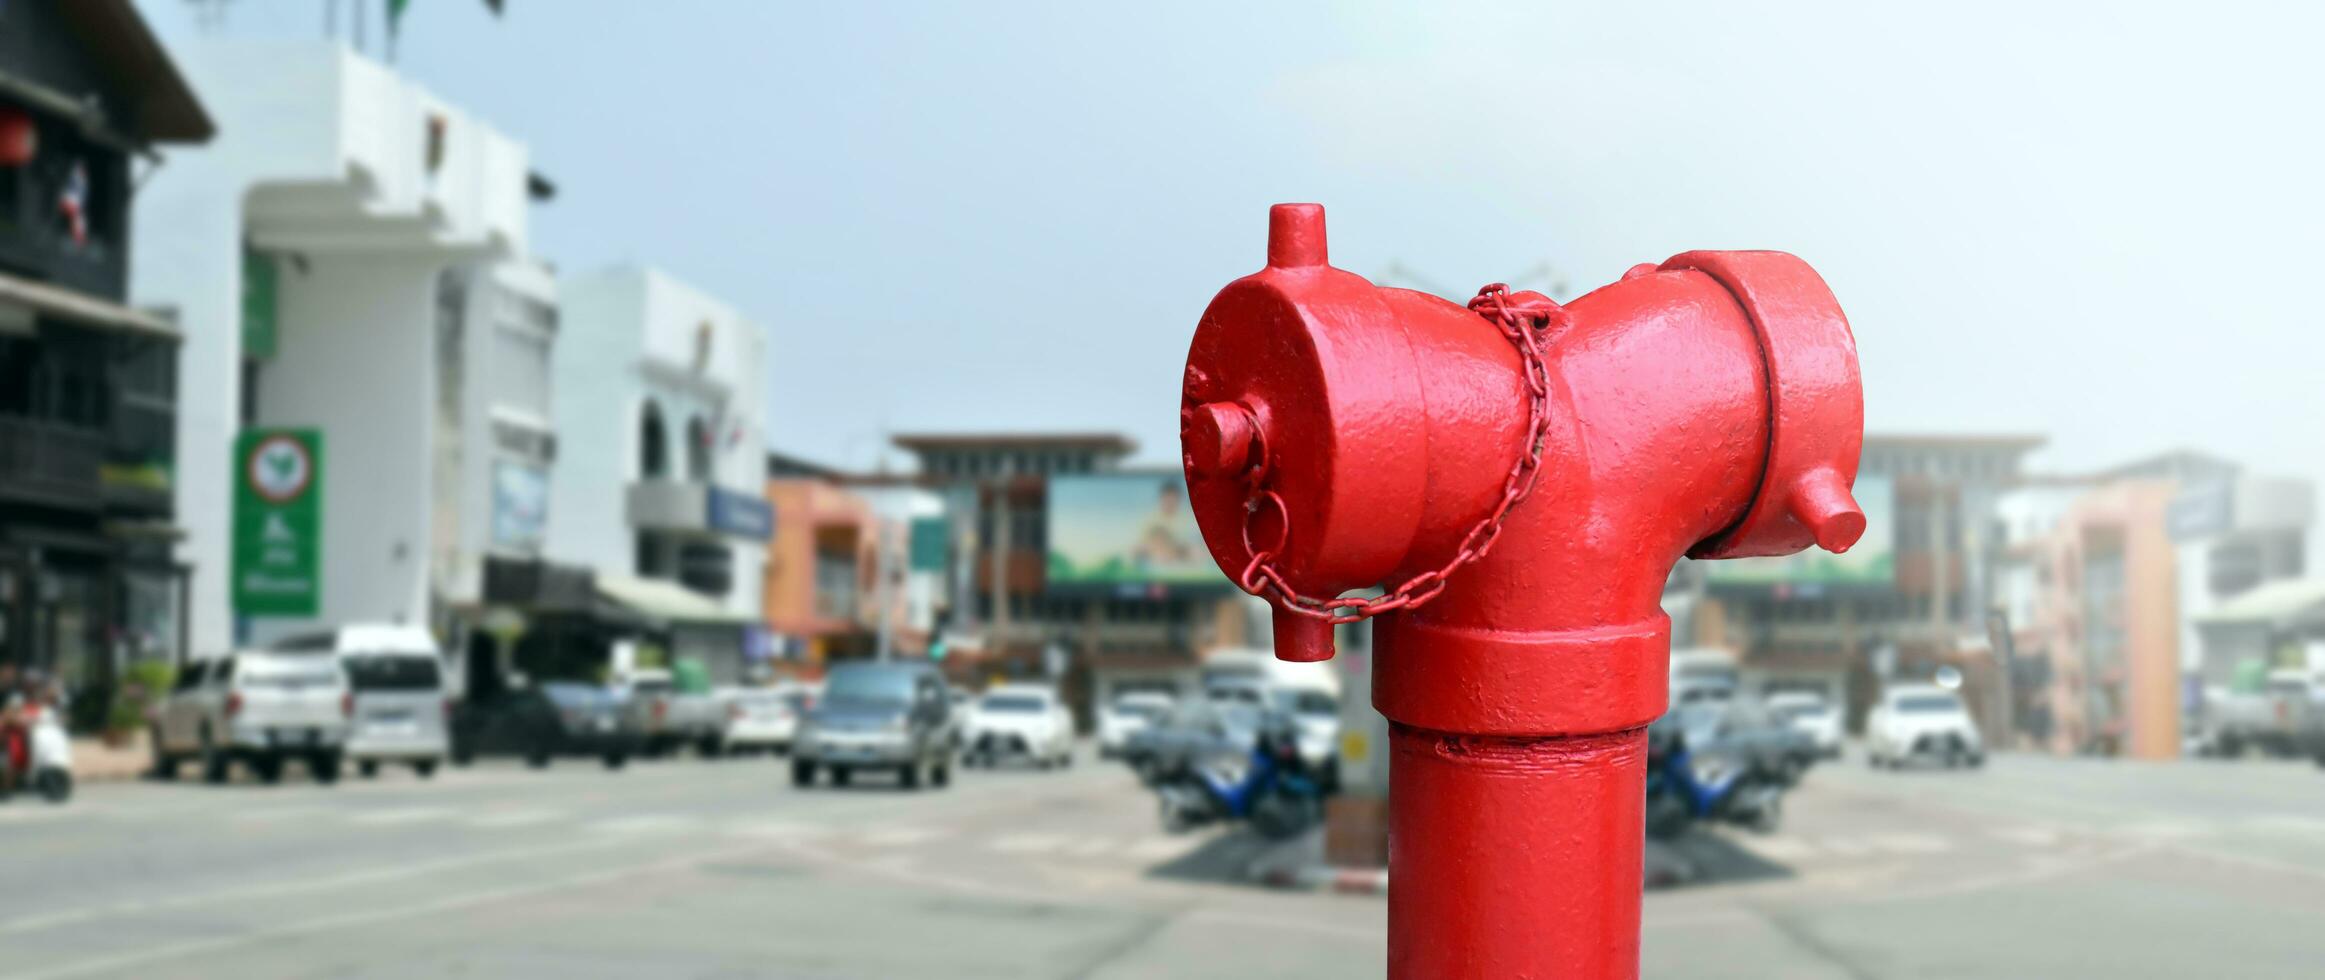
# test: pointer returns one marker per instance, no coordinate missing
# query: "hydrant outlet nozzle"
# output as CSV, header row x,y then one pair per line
x,y
1218,439
1300,638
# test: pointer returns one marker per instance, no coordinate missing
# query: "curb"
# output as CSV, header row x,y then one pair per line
x,y
93,762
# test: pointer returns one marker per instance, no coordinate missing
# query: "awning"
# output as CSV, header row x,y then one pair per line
x,y
666,601
2275,603
66,304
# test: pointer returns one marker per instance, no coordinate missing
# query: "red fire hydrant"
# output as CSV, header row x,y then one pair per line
x,y
1519,477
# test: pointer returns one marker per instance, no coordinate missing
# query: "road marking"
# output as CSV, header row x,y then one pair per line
x,y
1027,844
266,934
291,887
2287,823
900,836
898,868
1163,848
1912,843
2164,830
1091,848
2029,836
772,829
399,815
648,823
515,818
274,813
1279,923
1777,847
1848,846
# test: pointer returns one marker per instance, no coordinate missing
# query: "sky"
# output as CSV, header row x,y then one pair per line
x,y
2104,229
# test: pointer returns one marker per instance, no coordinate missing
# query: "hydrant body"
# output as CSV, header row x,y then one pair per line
x,y
1341,435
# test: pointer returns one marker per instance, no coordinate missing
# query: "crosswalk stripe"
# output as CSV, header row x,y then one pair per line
x,y
645,824
1027,843
2029,836
274,813
2164,830
1847,846
2289,823
514,818
771,829
1163,848
399,815
900,836
1911,843
1091,848
1780,848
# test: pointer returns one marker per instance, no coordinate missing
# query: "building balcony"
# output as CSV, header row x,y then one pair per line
x,y
699,508
47,463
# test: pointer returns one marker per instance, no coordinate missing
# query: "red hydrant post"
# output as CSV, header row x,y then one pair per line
x,y
1519,477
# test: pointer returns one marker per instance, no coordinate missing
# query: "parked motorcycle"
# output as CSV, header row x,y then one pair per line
x,y
1686,785
37,754
1269,787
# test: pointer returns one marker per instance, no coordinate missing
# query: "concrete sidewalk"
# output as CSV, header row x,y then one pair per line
x,y
96,762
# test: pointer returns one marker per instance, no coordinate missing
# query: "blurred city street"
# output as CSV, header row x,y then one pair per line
x,y
2072,866
717,489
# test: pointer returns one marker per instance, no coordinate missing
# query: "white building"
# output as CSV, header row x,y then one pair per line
x,y
913,593
662,449
349,256
2234,534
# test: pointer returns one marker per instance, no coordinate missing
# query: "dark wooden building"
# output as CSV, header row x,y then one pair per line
x,y
88,384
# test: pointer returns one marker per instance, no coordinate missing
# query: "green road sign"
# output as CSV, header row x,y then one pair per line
x,y
259,297
278,522
928,544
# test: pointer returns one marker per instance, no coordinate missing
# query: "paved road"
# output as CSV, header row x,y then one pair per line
x,y
679,869
2031,867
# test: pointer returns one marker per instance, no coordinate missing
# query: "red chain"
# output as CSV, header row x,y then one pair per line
x,y
1522,321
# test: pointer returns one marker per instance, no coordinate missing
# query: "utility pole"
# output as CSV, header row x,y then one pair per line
x,y
883,598
998,625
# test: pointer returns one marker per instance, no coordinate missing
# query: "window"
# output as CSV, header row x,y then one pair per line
x,y
520,369
394,673
698,450
653,447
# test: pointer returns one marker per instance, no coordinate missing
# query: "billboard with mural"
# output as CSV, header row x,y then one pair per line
x,y
1126,531
1872,562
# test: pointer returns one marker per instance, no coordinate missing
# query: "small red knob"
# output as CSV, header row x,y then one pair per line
x,y
1823,505
1295,236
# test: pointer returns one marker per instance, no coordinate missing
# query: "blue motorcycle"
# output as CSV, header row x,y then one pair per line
x,y
1683,788
1269,787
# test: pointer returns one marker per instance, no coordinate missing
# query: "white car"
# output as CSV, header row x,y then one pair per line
x,y
1127,715
401,709
1026,721
261,708
1811,715
762,717
1922,721
1315,713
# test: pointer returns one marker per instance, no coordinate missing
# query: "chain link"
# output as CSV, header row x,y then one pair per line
x,y
1522,319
